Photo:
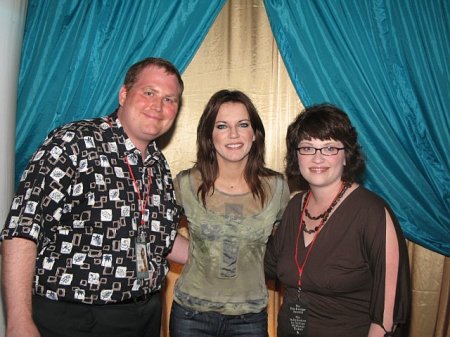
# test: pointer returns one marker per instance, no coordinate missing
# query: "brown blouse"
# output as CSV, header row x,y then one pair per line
x,y
343,279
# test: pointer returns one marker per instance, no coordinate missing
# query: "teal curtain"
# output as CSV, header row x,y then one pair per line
x,y
386,63
75,54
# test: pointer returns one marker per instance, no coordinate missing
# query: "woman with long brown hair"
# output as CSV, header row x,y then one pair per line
x,y
231,201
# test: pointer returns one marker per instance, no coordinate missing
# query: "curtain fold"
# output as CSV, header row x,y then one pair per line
x,y
386,63
75,54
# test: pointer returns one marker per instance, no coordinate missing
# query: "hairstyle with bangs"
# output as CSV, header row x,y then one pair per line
x,y
206,153
325,122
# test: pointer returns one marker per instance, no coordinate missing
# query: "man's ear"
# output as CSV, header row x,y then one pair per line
x,y
122,95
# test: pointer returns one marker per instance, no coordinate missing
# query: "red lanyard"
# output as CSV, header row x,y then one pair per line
x,y
300,268
142,204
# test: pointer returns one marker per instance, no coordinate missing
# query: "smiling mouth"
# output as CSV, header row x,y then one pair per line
x,y
318,169
234,146
155,117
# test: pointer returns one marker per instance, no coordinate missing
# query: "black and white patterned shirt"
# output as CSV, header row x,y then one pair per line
x,y
77,201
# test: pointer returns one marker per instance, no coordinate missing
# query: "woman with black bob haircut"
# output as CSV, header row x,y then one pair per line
x,y
338,252
313,124
231,202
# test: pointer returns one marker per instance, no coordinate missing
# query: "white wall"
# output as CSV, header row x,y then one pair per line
x,y
12,19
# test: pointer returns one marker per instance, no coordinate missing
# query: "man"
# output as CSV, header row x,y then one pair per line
x,y
94,218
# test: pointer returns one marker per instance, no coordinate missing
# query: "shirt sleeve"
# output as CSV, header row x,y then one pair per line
x,y
285,196
375,242
281,236
44,186
177,189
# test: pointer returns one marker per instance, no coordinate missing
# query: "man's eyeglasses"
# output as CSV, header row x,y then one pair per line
x,y
326,151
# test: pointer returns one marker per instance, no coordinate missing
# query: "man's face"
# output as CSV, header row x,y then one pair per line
x,y
148,109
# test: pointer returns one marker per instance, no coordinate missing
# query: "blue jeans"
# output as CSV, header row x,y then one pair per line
x,y
189,323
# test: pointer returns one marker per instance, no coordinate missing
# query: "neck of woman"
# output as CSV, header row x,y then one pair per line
x,y
322,197
231,180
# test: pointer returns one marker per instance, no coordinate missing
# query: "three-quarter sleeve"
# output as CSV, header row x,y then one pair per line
x,y
376,249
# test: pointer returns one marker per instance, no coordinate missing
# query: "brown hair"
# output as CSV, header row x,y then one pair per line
x,y
206,153
134,71
324,122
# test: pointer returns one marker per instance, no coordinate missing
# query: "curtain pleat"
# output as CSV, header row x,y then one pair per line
x,y
430,281
386,63
75,54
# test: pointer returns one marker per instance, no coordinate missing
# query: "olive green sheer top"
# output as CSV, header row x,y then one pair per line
x,y
225,272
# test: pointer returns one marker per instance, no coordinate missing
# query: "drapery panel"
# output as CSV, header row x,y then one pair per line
x,y
75,54
386,63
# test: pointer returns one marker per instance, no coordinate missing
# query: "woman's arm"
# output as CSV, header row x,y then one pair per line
x,y
391,274
179,252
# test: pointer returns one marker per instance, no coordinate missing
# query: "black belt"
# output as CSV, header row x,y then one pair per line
x,y
139,299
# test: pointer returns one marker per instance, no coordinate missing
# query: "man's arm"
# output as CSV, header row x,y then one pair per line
x,y
18,263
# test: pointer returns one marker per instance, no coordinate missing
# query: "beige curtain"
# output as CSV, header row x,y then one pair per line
x,y
430,276
240,52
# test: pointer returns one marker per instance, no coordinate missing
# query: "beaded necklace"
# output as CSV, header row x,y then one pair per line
x,y
324,216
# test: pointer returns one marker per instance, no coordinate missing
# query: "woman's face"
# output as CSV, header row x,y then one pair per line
x,y
233,134
321,170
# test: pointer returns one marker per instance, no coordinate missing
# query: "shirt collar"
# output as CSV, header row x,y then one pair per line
x,y
125,146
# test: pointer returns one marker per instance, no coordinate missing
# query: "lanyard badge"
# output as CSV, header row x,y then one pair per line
x,y
293,318
141,259
141,251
